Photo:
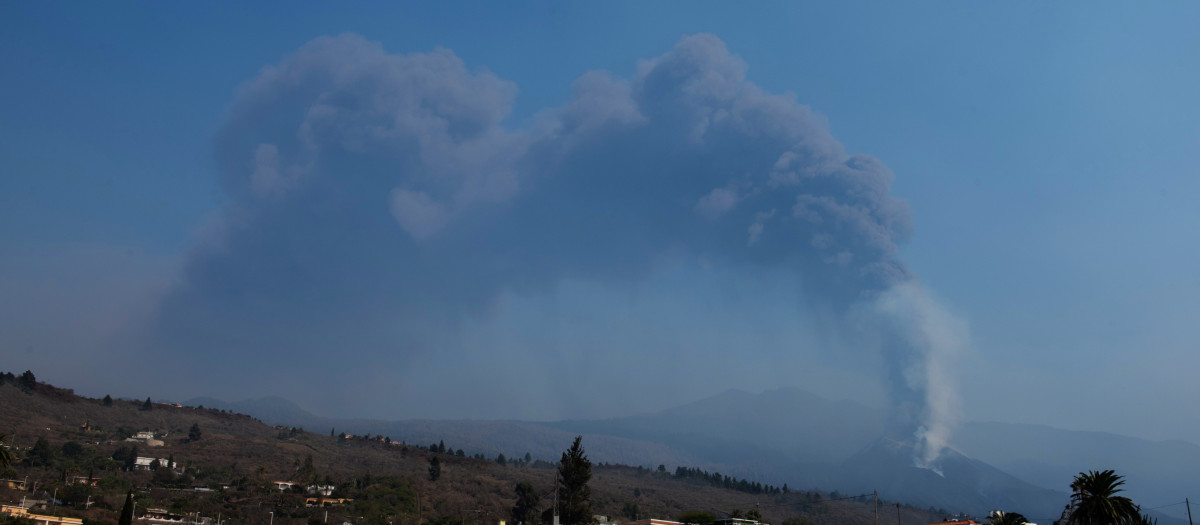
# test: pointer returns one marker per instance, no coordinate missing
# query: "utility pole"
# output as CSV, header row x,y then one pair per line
x,y
1189,507
897,514
876,494
556,497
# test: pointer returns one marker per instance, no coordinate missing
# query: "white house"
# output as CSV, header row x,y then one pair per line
x,y
144,463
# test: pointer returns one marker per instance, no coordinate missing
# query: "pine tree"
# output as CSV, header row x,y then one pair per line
x,y
308,472
435,468
27,382
575,497
107,400
146,405
194,432
525,511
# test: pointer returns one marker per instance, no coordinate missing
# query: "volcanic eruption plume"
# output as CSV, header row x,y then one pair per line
x,y
374,197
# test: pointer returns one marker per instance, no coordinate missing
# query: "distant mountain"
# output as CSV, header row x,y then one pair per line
x,y
795,437
1157,472
511,438
735,426
959,482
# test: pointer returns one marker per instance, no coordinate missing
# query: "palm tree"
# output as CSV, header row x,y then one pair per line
x,y
1097,502
1006,518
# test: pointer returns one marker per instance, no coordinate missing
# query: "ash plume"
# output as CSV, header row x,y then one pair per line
x,y
376,200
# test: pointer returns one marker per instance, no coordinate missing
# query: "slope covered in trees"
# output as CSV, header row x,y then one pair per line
x,y
225,463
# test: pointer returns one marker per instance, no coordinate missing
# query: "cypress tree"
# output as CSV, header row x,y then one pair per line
x,y
127,510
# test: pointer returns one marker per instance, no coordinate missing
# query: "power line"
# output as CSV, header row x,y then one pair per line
x,y
1164,506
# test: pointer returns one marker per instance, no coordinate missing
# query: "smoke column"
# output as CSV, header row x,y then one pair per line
x,y
931,339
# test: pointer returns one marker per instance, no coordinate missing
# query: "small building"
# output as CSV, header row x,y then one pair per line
x,y
321,490
738,521
84,480
325,502
147,438
285,486
40,519
653,522
145,463
165,517
17,484
957,520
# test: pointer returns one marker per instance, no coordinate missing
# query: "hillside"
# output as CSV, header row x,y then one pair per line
x,y
58,435
795,437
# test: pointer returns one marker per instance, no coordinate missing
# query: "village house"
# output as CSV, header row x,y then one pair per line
x,y
147,438
146,463
40,519
285,486
321,490
325,502
84,480
165,517
738,521
653,522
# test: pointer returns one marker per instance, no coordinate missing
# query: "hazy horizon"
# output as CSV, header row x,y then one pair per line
x,y
955,212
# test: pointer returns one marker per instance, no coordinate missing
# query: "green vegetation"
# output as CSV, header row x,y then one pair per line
x,y
384,496
1098,502
575,497
27,382
5,455
525,510
696,517
1006,518
717,480
435,468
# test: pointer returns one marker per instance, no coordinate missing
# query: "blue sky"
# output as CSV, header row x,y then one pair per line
x,y
1047,153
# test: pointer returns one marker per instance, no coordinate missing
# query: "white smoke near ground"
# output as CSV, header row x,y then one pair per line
x,y
936,339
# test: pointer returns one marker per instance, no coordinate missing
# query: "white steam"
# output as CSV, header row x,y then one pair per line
x,y
936,338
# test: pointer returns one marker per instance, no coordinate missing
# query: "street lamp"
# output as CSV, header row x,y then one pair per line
x,y
272,518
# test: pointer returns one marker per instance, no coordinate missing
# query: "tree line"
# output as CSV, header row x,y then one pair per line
x,y
716,479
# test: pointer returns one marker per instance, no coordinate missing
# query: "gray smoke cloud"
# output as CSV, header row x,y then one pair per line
x,y
377,199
